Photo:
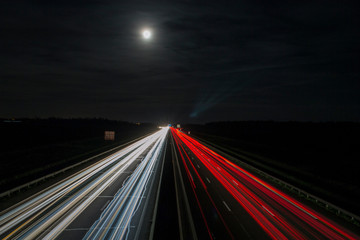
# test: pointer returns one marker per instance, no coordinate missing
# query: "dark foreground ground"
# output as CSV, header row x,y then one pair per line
x,y
320,158
32,148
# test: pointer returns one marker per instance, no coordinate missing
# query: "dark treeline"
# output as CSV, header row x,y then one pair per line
x,y
24,133
319,135
32,148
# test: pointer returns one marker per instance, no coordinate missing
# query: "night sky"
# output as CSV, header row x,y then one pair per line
x,y
206,60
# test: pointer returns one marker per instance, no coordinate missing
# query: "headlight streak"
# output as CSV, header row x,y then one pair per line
x,y
79,196
57,206
48,196
287,219
115,221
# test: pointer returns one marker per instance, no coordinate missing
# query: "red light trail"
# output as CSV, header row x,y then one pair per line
x,y
279,215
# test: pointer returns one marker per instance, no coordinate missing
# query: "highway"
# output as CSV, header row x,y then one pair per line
x,y
111,199
231,203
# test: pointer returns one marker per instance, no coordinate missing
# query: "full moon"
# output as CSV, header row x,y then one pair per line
x,y
146,34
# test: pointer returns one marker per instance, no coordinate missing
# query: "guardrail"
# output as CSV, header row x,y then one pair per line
x,y
353,218
27,185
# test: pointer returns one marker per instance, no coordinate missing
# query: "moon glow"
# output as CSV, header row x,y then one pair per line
x,y
146,34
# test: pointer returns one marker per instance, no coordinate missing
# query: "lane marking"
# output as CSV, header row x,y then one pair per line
x,y
247,233
226,206
192,178
76,229
268,210
125,180
198,166
101,209
235,182
87,229
135,196
208,180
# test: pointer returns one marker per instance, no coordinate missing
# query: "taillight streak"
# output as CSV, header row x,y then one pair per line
x,y
234,179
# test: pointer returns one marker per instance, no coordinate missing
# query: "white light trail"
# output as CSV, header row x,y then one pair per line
x,y
53,210
115,220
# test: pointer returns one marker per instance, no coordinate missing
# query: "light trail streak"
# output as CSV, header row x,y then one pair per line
x,y
48,213
116,218
279,215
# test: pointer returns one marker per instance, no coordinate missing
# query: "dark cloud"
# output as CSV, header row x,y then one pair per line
x,y
207,61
